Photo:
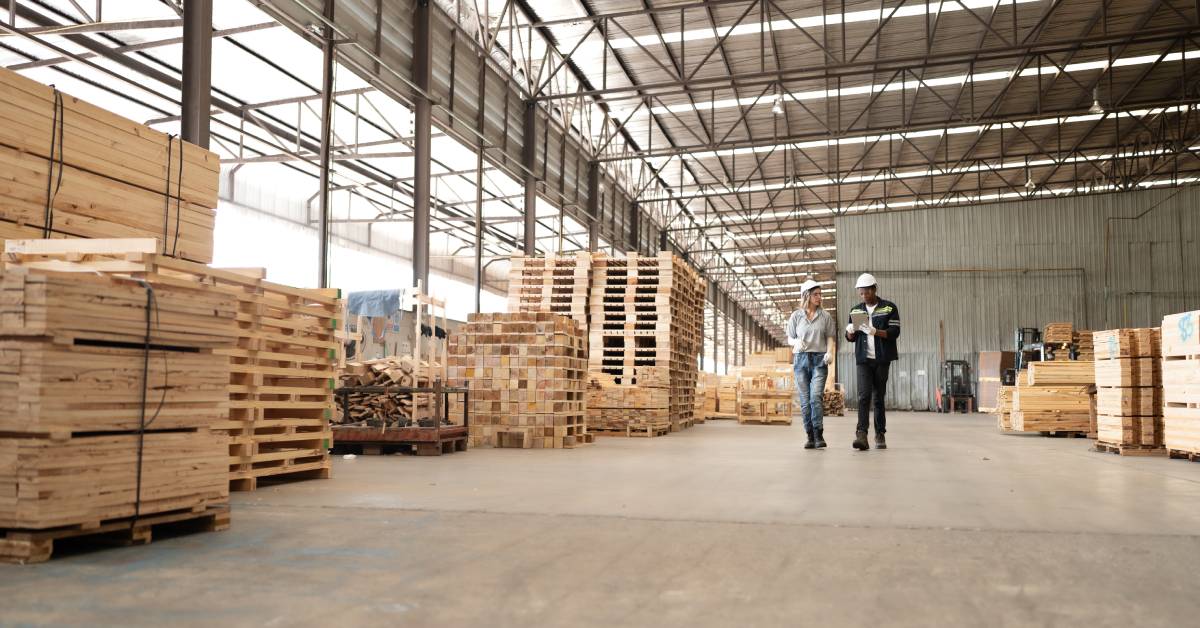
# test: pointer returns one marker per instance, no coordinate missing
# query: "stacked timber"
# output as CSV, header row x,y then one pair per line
x,y
527,374
1054,398
368,409
110,392
281,371
1059,333
707,389
74,170
554,284
765,396
992,365
1003,410
1129,391
1181,384
727,397
1084,345
644,342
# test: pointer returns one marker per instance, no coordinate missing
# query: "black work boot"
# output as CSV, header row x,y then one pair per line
x,y
820,438
810,444
880,442
860,441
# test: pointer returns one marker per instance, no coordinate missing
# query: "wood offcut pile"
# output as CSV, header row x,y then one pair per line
x,y
1054,398
387,410
644,341
88,381
833,401
1129,391
1181,384
527,374
281,370
765,396
100,175
554,284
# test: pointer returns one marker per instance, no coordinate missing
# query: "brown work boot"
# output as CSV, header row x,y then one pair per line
x,y
860,441
880,442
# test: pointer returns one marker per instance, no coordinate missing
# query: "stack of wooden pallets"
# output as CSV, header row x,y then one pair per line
x,y
765,396
644,341
110,392
527,374
1084,345
554,284
1054,398
282,369
1129,391
1181,384
100,175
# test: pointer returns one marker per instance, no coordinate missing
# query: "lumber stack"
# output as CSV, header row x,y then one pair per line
x,y
765,396
554,284
1059,333
707,389
1003,410
282,368
1054,398
387,410
646,317
527,374
1129,391
1181,384
1084,345
727,397
104,176
76,363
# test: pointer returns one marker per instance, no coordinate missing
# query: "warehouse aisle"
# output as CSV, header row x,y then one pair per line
x,y
719,525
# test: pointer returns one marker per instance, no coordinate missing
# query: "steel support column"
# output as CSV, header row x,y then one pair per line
x,y
197,71
422,76
528,159
725,336
326,153
481,85
593,206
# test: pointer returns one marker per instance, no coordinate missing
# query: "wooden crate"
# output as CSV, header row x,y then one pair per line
x,y
113,177
282,367
1181,383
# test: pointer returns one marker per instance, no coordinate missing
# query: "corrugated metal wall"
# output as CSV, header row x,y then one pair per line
x,y
983,271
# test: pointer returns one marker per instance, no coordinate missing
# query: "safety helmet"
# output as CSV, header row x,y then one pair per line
x,y
808,285
865,280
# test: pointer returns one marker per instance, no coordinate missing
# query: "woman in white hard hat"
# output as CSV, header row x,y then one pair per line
x,y
812,334
874,351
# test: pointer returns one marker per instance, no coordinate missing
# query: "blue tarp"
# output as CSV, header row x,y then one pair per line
x,y
373,303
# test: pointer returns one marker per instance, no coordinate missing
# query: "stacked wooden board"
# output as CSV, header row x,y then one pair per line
x,y
110,392
281,370
1084,346
527,374
1054,398
727,398
100,175
765,396
554,284
1003,410
707,388
1181,384
646,317
1129,391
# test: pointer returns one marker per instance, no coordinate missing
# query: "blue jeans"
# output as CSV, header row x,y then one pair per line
x,y
810,371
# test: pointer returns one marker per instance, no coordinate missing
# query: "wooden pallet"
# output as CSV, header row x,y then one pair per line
x,y
37,546
721,416
765,420
421,441
1128,450
1179,454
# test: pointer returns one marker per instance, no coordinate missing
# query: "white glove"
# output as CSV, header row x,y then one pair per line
x,y
828,358
850,329
867,329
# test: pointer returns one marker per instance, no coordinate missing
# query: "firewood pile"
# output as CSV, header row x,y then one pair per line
x,y
388,409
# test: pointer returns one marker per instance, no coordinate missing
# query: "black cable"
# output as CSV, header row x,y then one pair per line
x,y
151,307
178,195
57,132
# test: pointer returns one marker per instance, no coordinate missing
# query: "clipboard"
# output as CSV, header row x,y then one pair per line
x,y
858,319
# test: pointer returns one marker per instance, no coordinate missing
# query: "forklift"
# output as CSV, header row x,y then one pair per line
x,y
956,390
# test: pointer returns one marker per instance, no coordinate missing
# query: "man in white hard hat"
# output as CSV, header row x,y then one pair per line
x,y
874,351
812,334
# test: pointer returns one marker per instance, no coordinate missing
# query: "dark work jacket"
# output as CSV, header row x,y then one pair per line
x,y
887,317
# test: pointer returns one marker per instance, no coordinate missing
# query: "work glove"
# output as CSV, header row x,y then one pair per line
x,y
867,329
850,329
828,357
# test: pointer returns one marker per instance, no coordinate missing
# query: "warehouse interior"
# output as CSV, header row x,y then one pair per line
x,y
485,312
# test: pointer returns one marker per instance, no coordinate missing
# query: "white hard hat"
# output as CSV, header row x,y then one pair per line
x,y
865,280
808,285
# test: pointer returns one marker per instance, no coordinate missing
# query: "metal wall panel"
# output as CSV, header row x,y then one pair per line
x,y
1104,261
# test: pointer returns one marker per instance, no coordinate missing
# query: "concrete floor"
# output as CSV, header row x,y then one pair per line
x,y
721,525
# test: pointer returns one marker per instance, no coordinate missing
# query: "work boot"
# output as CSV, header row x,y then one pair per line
x,y
810,444
820,438
860,441
880,442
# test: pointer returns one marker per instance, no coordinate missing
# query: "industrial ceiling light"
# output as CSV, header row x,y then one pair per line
x,y
1096,108
1029,184
777,108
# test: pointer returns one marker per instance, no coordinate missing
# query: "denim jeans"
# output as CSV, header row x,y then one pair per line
x,y
810,371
